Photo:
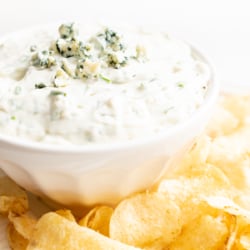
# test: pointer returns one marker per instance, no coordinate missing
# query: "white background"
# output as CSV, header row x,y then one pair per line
x,y
219,28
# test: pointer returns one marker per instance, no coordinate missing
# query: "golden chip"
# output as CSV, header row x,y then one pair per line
x,y
204,233
188,192
228,205
233,230
67,214
146,220
196,157
12,197
231,156
223,122
239,106
15,239
56,233
243,242
24,224
98,219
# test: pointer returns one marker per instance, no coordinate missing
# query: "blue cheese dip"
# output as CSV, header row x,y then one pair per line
x,y
99,85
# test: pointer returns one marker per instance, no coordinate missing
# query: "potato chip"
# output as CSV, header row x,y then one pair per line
x,y
204,233
56,233
243,242
232,113
24,224
231,152
67,214
239,237
241,234
239,106
197,155
98,219
237,171
233,230
180,192
222,123
242,199
187,191
227,205
145,220
12,197
15,239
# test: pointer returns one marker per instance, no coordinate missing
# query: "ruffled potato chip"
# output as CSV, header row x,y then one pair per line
x,y
54,232
231,155
238,105
204,233
145,220
242,242
196,157
228,205
24,224
98,219
188,192
67,214
223,123
15,239
12,197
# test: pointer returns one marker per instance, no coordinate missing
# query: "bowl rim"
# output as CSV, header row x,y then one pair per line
x,y
210,99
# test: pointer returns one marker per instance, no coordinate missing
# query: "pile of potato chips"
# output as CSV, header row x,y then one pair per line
x,y
203,204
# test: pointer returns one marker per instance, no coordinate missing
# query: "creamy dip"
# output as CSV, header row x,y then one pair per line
x,y
99,85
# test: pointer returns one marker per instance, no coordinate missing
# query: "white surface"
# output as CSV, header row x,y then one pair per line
x,y
220,28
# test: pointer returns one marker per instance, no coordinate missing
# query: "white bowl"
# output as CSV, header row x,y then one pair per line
x,y
88,175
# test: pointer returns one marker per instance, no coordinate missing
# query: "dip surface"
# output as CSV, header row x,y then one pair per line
x,y
98,85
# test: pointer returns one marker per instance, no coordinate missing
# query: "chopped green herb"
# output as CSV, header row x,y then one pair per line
x,y
167,110
13,118
104,78
40,85
180,84
57,92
